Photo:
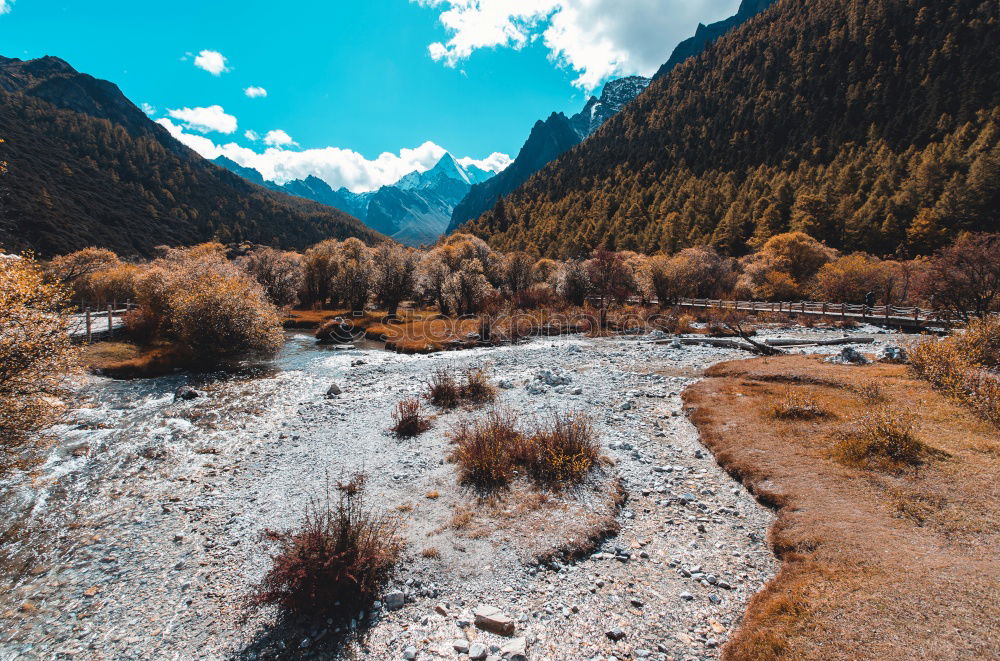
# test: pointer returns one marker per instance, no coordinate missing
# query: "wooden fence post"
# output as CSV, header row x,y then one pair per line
x,y
88,324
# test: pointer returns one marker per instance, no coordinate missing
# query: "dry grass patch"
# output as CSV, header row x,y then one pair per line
x,y
557,453
561,451
883,438
445,391
476,388
964,367
462,517
128,361
486,449
795,406
877,562
431,553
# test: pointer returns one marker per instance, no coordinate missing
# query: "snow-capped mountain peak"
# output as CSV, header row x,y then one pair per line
x,y
446,168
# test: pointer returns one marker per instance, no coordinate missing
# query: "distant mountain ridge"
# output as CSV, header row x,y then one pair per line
x,y
547,140
415,210
706,34
87,167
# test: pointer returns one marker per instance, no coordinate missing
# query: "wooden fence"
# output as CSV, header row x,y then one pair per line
x,y
891,315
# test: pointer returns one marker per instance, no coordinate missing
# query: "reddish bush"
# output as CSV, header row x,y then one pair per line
x,y
562,451
334,564
442,391
477,388
407,420
486,448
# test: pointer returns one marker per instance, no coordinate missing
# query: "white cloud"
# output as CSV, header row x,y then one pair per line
x,y
6,6
278,138
597,39
494,162
250,134
255,92
147,108
337,167
203,120
211,61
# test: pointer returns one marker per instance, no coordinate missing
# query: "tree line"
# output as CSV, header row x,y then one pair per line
x,y
872,126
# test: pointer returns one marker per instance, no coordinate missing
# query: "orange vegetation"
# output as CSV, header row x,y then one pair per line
x,y
884,558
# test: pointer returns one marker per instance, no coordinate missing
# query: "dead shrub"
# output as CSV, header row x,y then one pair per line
x,y
882,438
443,391
334,564
795,406
431,553
485,449
561,451
407,419
477,388
869,392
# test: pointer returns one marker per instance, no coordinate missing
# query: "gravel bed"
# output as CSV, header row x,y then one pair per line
x,y
150,513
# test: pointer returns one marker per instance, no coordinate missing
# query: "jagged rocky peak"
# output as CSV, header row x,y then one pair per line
x,y
446,168
614,96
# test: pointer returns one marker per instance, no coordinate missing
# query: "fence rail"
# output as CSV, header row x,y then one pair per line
x,y
889,314
94,324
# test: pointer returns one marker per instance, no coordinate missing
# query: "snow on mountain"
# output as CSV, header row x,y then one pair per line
x,y
415,210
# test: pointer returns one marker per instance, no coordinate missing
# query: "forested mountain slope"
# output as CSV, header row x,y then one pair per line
x,y
871,124
86,167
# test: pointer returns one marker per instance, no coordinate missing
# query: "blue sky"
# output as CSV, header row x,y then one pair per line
x,y
363,90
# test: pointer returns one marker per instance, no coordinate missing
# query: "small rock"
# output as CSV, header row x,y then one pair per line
x,y
461,646
333,391
686,596
477,651
615,634
186,393
410,653
514,648
394,600
491,619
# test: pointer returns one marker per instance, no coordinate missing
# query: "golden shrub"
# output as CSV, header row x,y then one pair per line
x,y
36,355
961,366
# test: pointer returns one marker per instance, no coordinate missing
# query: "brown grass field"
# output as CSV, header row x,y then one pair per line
x,y
882,559
124,360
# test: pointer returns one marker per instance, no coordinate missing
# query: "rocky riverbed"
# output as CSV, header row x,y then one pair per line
x,y
141,537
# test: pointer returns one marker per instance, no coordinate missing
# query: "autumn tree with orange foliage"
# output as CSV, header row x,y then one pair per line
x,y
36,356
209,306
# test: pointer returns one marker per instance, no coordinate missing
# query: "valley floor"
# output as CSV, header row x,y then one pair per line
x,y
150,512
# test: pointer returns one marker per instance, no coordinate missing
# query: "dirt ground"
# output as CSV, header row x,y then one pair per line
x,y
877,563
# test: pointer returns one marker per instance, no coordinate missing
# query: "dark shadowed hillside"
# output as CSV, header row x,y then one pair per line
x,y
86,167
551,138
872,125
